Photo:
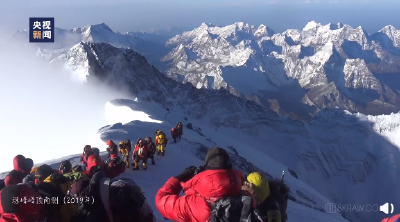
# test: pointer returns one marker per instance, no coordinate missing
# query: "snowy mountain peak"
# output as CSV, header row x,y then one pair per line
x,y
262,31
393,34
311,25
97,33
388,29
205,26
101,27
242,25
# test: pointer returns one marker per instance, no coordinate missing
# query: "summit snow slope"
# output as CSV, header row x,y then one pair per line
x,y
190,151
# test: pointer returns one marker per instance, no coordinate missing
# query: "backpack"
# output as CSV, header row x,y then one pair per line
x,y
51,189
234,209
128,145
151,147
78,186
91,211
280,192
127,202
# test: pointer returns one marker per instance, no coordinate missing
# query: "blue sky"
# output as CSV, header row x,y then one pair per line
x,y
124,15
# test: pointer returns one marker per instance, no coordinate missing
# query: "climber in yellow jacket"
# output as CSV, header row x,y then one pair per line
x,y
161,142
125,148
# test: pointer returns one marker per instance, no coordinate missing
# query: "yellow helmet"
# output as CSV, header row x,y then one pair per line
x,y
260,185
121,144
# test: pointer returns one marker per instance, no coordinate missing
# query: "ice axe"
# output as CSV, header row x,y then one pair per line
x,y
282,176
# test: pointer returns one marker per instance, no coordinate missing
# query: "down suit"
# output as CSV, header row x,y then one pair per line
x,y
217,181
22,168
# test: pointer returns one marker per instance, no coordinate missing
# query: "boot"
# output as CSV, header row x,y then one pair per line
x,y
144,166
153,162
136,167
162,153
126,161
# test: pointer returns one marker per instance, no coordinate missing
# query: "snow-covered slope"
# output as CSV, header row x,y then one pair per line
x,y
342,156
191,150
297,72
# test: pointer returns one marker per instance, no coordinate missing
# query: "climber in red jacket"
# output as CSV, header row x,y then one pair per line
x,y
216,181
22,168
112,149
174,134
115,167
94,165
140,153
87,151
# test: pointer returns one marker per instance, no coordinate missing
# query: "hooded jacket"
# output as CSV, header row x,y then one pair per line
x,y
13,210
19,172
93,161
207,185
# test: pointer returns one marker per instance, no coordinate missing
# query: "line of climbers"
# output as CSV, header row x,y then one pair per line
x,y
124,201
214,192
144,149
71,193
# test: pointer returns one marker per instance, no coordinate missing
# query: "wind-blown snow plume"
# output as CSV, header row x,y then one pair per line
x,y
44,114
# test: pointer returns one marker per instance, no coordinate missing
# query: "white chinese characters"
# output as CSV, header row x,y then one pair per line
x,y
47,34
46,25
36,25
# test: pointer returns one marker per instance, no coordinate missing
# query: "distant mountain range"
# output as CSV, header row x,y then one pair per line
x,y
295,73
